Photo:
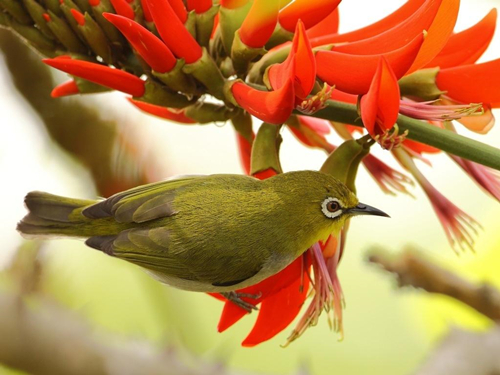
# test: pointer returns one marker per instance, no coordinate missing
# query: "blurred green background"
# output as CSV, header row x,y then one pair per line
x,y
387,331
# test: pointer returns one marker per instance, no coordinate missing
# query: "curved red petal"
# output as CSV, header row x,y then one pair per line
x,y
473,83
395,18
308,11
380,106
123,8
467,46
149,46
147,13
273,107
353,73
199,6
173,32
260,22
78,16
268,287
65,89
438,34
103,75
328,26
278,311
398,36
300,66
163,112
264,175
179,9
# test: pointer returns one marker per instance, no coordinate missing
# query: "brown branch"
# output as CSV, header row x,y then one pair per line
x,y
412,269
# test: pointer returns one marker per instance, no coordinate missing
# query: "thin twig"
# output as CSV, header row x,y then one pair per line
x,y
412,269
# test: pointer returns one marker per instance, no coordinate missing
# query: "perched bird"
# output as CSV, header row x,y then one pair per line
x,y
215,233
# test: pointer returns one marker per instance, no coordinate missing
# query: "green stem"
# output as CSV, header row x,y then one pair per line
x,y
422,132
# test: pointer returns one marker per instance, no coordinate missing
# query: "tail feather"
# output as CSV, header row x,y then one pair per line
x,y
52,215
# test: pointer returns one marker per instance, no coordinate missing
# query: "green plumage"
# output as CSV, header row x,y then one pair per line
x,y
204,233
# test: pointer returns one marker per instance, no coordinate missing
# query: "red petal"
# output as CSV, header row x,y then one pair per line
x,y
467,46
479,124
473,83
380,106
147,13
173,32
273,107
268,173
300,66
233,4
398,36
79,18
179,9
395,18
123,8
308,11
259,23
65,89
278,311
341,96
438,34
420,147
163,112
102,75
268,287
353,73
330,25
149,46
199,6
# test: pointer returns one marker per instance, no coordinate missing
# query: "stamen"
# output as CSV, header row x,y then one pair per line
x,y
317,101
431,112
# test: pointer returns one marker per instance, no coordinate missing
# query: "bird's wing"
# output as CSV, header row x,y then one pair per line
x,y
140,204
155,250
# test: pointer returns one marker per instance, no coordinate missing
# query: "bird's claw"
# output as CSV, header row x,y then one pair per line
x,y
236,298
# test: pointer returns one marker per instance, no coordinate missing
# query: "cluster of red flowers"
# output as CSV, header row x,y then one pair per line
x,y
199,61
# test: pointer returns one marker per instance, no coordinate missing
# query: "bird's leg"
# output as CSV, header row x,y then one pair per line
x,y
236,298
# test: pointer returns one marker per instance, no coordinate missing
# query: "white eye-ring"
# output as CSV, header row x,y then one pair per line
x,y
331,208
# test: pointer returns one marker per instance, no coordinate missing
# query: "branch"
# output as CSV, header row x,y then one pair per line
x,y
413,270
421,131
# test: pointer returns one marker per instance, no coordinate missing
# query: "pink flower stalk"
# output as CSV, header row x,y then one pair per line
x,y
459,227
388,179
487,178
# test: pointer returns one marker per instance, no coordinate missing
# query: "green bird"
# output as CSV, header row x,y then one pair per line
x,y
216,233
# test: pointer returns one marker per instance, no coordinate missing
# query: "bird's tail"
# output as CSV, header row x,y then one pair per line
x,y
52,215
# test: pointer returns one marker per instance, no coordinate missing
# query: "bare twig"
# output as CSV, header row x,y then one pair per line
x,y
412,269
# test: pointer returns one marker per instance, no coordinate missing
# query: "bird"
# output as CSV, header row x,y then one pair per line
x,y
212,233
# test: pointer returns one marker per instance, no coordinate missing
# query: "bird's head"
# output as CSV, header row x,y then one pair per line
x,y
324,202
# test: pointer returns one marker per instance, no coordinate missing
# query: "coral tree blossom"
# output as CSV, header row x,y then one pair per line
x,y
285,63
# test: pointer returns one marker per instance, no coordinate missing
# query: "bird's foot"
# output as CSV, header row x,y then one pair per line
x,y
236,298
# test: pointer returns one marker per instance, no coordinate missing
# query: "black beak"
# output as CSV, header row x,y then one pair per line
x,y
364,209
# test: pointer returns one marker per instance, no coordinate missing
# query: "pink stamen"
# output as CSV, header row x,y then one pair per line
x,y
487,178
387,178
431,112
327,294
457,224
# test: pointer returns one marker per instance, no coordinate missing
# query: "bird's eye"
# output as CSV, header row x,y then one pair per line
x,y
331,208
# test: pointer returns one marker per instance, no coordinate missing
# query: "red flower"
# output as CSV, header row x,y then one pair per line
x,y
260,23
380,106
332,66
273,107
310,12
176,115
149,46
173,32
100,74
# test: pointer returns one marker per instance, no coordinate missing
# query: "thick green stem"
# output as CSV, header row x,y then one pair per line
x,y
422,132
